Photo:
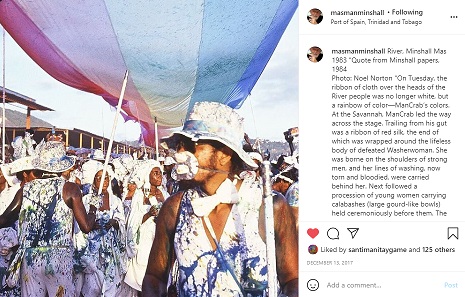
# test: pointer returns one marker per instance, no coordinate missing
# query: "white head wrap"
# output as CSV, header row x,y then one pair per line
x,y
141,172
89,169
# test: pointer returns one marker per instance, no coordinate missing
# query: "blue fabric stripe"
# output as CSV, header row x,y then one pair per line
x,y
234,35
160,42
263,54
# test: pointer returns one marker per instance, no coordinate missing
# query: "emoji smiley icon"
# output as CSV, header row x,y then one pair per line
x,y
313,284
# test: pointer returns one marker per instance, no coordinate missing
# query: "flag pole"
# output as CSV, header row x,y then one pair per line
x,y
156,138
4,99
269,229
115,121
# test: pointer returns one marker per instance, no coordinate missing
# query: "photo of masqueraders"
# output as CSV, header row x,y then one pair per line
x,y
314,16
315,54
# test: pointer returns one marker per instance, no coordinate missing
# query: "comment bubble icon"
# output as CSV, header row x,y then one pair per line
x,y
333,233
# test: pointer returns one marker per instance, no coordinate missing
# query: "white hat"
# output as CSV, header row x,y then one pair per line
x,y
9,177
21,164
169,161
98,155
290,160
215,121
256,156
51,157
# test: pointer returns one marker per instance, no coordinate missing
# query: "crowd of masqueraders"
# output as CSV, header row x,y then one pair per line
x,y
68,230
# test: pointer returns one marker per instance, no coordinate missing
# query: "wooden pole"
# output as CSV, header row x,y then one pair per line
x,y
156,139
28,118
112,136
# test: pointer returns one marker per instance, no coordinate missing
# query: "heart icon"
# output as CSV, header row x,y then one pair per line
x,y
313,232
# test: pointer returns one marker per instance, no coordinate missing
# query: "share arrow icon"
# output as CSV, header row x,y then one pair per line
x,y
353,232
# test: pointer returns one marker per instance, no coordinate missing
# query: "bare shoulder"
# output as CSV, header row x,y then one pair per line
x,y
70,192
279,201
173,201
70,189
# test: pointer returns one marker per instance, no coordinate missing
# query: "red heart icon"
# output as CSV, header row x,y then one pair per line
x,y
313,232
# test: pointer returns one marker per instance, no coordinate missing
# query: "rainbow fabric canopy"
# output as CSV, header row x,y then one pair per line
x,y
177,52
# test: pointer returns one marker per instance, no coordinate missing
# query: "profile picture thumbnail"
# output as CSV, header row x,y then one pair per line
x,y
312,249
314,16
315,54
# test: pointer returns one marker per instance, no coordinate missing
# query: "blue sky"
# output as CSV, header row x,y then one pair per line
x,y
270,110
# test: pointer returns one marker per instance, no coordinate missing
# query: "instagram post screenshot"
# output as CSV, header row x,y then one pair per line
x,y
381,122
150,148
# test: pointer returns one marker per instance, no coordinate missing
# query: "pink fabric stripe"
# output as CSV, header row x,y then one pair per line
x,y
42,51
55,63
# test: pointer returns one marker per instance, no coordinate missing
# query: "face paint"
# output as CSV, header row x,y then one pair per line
x,y
186,166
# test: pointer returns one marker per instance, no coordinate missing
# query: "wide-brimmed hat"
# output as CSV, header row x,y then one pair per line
x,y
215,121
51,157
9,177
21,164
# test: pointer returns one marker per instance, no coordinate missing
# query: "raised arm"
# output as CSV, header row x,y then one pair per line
x,y
156,275
73,198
